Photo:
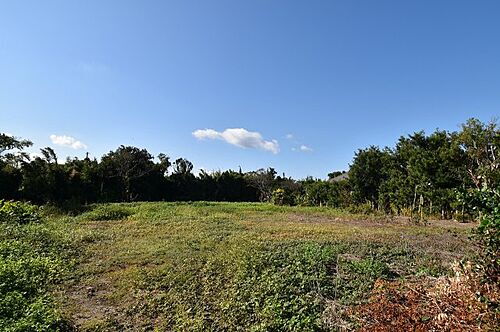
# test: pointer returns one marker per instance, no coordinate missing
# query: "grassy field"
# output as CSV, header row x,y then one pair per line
x,y
240,266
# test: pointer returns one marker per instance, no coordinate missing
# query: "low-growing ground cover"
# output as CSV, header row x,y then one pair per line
x,y
242,266
35,256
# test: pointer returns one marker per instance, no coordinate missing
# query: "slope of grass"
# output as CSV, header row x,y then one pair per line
x,y
241,266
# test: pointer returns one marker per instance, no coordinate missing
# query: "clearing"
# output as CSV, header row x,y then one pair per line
x,y
242,266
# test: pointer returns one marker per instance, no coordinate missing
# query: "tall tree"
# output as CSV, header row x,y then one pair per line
x,y
263,180
128,164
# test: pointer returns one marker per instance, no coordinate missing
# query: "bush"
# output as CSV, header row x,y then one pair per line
x,y
107,212
282,197
488,232
18,212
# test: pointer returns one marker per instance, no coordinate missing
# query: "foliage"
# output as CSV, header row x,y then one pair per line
x,y
263,180
481,143
279,286
18,212
326,193
487,203
32,258
282,196
127,165
11,155
424,173
367,173
8,143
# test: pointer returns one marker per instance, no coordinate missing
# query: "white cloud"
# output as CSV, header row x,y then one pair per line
x,y
239,137
206,134
67,141
302,148
305,148
289,136
34,155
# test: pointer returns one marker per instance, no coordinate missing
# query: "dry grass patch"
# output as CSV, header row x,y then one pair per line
x,y
457,303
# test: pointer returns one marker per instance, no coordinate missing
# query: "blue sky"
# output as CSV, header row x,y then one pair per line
x,y
327,76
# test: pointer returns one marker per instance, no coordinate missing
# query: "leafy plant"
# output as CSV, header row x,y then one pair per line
x,y
281,196
488,232
32,259
18,212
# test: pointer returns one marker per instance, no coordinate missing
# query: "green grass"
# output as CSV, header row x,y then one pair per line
x,y
239,266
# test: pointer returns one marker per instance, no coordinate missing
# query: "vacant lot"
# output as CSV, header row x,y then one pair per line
x,y
239,266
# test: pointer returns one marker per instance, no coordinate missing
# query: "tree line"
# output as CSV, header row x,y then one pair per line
x,y
429,173
425,174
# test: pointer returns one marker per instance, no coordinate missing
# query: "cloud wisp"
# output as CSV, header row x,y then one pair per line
x,y
302,148
239,137
305,148
67,141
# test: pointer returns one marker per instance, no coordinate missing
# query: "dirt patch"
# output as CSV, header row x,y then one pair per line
x,y
90,304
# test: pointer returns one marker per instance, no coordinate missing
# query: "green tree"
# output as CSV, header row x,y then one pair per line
x,y
481,143
8,143
129,165
183,166
368,172
423,168
322,193
11,155
264,181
